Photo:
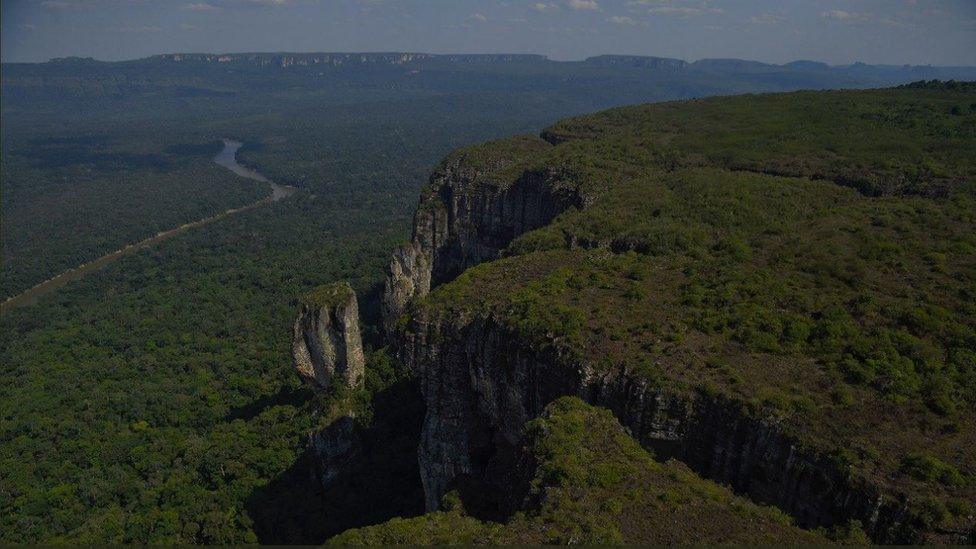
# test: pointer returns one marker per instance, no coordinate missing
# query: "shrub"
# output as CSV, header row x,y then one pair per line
x,y
849,533
928,468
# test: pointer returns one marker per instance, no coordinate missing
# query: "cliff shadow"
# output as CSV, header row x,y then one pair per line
x,y
382,482
285,396
370,316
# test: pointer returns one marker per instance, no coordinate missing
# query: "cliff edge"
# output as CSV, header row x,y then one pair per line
x,y
750,298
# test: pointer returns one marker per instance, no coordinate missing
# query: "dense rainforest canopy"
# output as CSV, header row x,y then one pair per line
x,y
155,401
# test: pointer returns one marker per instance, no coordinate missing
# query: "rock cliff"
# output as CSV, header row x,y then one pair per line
x,y
326,341
581,479
327,349
482,383
466,216
488,365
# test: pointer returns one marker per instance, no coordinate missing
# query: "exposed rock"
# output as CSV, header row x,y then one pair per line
x,y
462,221
326,339
336,448
327,345
579,478
481,384
408,275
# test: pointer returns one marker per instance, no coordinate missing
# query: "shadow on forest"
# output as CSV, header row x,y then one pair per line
x,y
370,302
382,483
284,397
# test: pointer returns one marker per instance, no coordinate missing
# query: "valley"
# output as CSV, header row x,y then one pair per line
x,y
226,158
765,311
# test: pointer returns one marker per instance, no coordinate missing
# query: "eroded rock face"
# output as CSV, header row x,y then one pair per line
x,y
408,275
481,384
462,221
327,348
327,342
337,447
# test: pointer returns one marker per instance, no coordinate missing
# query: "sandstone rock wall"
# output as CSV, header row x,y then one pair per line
x,y
326,340
481,384
327,348
460,223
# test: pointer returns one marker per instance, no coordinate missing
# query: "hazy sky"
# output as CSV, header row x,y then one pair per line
x,y
939,32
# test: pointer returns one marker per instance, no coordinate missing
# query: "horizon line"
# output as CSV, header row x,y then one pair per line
x,y
544,57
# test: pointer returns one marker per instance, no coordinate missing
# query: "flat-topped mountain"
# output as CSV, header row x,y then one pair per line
x,y
336,59
776,290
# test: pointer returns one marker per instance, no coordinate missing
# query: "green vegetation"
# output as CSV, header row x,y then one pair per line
x,y
97,155
498,162
329,295
154,401
437,528
924,467
592,483
157,402
67,201
173,413
849,317
377,482
919,144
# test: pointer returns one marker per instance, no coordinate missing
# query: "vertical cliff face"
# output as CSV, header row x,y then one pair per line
x,y
327,348
481,384
326,341
462,221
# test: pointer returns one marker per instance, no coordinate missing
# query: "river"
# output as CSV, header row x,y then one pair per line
x,y
227,158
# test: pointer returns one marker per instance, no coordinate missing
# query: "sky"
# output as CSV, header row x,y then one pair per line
x,y
937,32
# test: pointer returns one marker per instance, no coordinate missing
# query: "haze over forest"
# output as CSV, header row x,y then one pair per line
x,y
483,271
937,32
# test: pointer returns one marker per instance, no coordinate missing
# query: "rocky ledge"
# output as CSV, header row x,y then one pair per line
x,y
482,383
471,210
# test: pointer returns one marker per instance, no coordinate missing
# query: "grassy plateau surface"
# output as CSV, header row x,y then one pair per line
x,y
811,254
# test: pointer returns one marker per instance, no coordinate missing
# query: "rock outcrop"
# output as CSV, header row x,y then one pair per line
x,y
463,220
327,348
326,341
481,384
336,447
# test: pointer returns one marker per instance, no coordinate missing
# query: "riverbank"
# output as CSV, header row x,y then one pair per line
x,y
227,158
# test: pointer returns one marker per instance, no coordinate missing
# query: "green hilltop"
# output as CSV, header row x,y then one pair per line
x,y
811,255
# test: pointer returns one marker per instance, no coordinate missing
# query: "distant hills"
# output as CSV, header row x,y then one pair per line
x,y
339,59
257,81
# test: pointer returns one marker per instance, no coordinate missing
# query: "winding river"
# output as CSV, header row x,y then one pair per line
x,y
226,158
